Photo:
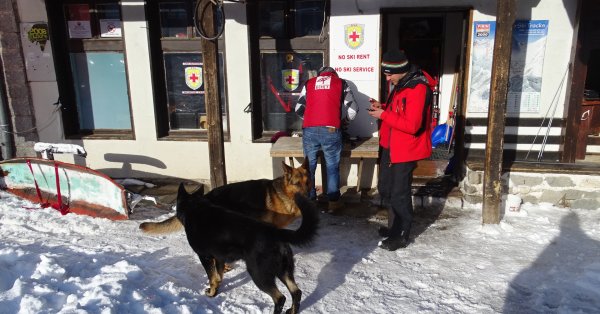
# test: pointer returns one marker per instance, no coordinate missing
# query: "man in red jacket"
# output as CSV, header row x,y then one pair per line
x,y
325,104
405,138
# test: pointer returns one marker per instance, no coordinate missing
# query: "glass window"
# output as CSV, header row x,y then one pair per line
x,y
295,26
291,19
91,75
178,70
282,79
271,19
101,90
309,17
174,19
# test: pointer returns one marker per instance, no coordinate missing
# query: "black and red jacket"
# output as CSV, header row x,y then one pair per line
x,y
406,121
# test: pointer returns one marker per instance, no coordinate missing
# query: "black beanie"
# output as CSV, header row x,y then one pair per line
x,y
394,62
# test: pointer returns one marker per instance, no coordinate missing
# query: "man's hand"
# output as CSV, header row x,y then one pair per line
x,y
374,109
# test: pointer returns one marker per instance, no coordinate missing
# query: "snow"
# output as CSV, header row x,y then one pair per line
x,y
543,259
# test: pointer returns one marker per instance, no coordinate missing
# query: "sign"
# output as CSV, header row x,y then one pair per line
x,y
354,35
110,28
193,77
38,33
354,47
481,65
78,21
290,79
526,65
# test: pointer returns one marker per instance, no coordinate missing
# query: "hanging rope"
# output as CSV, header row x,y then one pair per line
x,y
219,16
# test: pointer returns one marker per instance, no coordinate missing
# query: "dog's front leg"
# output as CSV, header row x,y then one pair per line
x,y
214,278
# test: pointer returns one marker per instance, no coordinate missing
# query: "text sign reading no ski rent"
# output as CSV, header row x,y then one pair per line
x,y
354,49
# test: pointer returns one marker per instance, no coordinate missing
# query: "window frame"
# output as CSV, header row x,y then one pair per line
x,y
258,45
158,47
62,47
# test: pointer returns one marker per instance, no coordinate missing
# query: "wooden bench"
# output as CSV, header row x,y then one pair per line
x,y
291,147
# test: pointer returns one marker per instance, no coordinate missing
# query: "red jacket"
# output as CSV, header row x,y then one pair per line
x,y
323,101
406,122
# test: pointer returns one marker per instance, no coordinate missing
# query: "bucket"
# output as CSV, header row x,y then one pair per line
x,y
513,203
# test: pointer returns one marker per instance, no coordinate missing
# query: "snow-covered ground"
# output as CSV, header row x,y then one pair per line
x,y
542,259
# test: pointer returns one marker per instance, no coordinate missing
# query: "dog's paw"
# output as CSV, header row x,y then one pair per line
x,y
210,292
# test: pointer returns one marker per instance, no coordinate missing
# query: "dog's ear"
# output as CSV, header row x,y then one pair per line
x,y
305,163
286,169
199,191
181,192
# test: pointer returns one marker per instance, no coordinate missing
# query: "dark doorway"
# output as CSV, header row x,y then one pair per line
x,y
434,40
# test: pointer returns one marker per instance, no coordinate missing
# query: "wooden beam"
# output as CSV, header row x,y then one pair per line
x,y
212,97
575,90
492,185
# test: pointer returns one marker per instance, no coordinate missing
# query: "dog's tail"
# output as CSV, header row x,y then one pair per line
x,y
307,231
166,226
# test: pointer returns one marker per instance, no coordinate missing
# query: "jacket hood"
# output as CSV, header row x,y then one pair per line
x,y
417,76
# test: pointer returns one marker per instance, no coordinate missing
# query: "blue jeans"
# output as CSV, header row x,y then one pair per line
x,y
330,142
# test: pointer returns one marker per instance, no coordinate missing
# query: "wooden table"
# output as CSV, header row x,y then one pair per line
x,y
291,147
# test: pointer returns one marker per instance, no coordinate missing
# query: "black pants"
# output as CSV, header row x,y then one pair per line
x,y
395,187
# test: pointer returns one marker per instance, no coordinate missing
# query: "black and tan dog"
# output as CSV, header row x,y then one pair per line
x,y
267,200
219,235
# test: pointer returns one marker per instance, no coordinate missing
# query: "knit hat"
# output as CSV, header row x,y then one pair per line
x,y
325,69
394,62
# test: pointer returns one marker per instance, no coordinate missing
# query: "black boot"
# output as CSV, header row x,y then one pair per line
x,y
394,243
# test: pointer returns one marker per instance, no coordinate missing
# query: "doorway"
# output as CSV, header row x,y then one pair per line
x,y
434,40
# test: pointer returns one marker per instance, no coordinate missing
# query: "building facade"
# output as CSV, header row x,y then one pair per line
x,y
125,80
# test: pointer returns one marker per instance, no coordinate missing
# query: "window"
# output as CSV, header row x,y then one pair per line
x,y
91,70
287,40
177,70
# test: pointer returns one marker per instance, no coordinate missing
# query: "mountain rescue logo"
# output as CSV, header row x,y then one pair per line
x,y
323,82
193,77
290,79
354,35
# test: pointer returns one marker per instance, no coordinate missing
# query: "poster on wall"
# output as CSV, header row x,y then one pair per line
x,y
354,43
37,51
526,66
481,66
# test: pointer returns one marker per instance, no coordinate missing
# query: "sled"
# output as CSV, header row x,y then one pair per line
x,y
78,189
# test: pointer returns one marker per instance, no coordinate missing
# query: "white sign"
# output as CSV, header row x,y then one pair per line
x,y
110,28
80,29
355,47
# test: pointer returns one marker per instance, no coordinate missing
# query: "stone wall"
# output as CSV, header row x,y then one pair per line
x,y
20,105
574,191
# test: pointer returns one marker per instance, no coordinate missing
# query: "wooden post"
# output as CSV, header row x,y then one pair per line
x,y
575,90
212,97
494,147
